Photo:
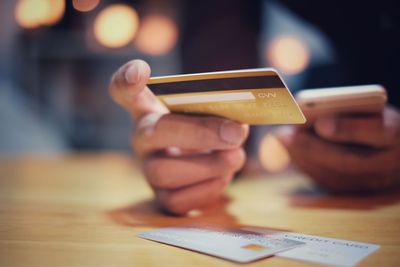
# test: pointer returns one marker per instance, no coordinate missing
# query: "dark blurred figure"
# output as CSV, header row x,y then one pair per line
x,y
222,35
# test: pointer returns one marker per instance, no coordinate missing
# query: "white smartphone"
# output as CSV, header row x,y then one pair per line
x,y
349,99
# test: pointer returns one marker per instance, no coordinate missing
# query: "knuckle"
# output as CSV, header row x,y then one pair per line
x,y
219,184
234,159
154,170
225,182
171,202
242,157
209,122
170,122
207,129
343,128
193,130
350,161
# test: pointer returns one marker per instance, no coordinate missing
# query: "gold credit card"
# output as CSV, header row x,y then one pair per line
x,y
254,96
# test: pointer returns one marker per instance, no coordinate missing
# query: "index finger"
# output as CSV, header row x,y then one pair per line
x,y
128,89
376,130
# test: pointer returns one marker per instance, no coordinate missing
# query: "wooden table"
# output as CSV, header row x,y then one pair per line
x,y
85,210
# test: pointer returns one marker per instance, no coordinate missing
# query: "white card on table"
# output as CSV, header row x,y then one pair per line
x,y
232,244
322,250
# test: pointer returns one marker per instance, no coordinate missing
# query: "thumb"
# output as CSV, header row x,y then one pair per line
x,y
128,89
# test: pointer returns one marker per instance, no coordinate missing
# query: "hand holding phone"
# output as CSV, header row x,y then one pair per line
x,y
341,100
352,142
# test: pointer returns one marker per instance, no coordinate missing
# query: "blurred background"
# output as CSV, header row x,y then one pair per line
x,y
57,57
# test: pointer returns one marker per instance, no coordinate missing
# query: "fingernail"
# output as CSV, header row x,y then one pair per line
x,y
326,126
132,74
231,132
173,151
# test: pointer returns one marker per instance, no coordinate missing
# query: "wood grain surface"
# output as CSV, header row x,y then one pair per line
x,y
86,209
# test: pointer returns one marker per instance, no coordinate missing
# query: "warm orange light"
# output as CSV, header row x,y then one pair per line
x,y
157,35
31,13
57,10
34,13
116,25
272,154
288,54
85,5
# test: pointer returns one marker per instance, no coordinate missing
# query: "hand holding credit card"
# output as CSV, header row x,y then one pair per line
x,y
189,160
254,96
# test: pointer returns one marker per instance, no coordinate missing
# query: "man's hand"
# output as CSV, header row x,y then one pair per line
x,y
187,160
349,153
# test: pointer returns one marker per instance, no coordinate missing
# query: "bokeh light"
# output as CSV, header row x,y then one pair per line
x,y
157,35
116,25
272,154
34,13
85,5
57,10
288,54
31,13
